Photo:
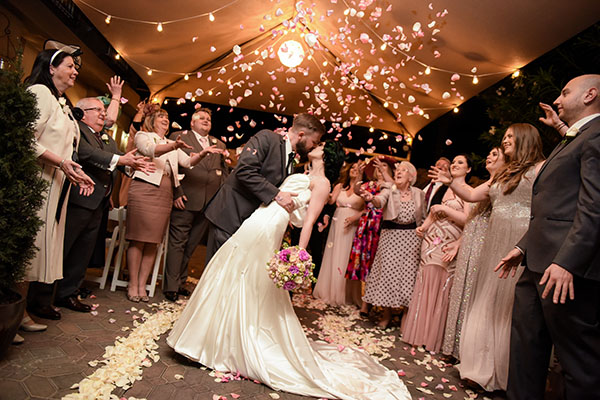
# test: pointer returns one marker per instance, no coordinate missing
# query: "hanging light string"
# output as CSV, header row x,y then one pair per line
x,y
110,17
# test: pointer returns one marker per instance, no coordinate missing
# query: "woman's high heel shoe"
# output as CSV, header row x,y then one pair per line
x,y
29,325
135,299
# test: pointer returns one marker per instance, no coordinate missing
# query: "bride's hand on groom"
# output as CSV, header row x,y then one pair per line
x,y
285,200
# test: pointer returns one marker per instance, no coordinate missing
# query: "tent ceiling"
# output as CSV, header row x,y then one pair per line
x,y
486,38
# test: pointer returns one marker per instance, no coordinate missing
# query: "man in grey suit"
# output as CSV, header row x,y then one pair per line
x,y
561,251
188,226
99,156
264,163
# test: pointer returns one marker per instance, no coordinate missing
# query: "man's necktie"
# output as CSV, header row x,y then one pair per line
x,y
290,164
204,141
428,193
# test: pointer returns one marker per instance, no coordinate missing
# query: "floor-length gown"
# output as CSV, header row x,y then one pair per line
x,y
428,308
331,282
485,337
465,277
237,320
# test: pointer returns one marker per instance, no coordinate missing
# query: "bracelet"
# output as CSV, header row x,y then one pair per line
x,y
112,98
60,164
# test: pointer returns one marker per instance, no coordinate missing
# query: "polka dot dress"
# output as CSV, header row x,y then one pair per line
x,y
392,278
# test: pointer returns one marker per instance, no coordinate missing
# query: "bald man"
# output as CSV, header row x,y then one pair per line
x,y
557,299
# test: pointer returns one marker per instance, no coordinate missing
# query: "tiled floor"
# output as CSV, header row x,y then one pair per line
x,y
49,363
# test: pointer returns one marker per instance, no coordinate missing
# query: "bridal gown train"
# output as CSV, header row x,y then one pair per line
x,y
237,320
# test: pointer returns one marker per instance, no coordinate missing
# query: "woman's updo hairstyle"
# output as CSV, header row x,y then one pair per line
x,y
333,157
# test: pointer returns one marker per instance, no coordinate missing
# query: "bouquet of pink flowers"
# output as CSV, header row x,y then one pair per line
x,y
291,268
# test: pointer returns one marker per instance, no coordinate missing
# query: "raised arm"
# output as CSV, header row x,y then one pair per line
x,y
318,198
462,190
115,86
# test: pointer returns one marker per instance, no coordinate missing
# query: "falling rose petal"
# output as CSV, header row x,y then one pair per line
x,y
178,377
252,123
110,310
445,380
279,12
474,70
455,77
93,296
194,39
230,128
124,100
247,93
112,320
446,95
447,395
234,395
423,384
94,313
453,388
439,386
365,38
213,49
274,395
416,27
448,142
232,102
188,95
411,99
341,348
429,378
241,27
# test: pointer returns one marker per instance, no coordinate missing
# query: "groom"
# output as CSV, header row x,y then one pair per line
x,y
557,299
265,161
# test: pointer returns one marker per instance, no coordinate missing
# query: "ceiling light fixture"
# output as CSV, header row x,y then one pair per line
x,y
291,53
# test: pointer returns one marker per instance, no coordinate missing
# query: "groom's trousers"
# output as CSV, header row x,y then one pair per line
x,y
216,238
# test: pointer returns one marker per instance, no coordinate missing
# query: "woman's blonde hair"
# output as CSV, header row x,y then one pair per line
x,y
527,153
148,124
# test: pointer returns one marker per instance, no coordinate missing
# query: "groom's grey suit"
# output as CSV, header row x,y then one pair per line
x,y
565,230
261,168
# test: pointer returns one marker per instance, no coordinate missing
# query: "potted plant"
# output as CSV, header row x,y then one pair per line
x,y
21,195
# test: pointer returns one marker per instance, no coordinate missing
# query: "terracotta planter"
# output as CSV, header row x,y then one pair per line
x,y
11,314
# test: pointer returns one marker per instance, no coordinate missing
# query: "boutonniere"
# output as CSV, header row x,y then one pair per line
x,y
63,104
570,134
104,138
213,141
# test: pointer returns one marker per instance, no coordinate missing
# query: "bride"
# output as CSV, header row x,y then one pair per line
x,y
237,320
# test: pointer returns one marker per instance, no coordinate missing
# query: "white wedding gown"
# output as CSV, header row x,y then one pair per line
x,y
237,320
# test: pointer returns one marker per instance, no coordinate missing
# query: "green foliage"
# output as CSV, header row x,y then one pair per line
x,y
21,186
515,100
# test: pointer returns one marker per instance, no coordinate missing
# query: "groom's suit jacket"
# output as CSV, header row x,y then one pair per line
x,y
565,208
260,170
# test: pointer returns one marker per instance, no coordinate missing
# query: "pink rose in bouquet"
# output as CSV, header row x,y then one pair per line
x,y
291,268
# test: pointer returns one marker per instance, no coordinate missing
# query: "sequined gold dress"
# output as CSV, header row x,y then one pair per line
x,y
485,336
465,275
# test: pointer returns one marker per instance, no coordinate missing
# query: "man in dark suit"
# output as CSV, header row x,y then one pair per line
x,y
99,156
188,226
265,161
434,191
561,251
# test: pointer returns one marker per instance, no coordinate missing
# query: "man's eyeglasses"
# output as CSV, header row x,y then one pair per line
x,y
99,110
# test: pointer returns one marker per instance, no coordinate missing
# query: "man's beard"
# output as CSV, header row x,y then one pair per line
x,y
301,149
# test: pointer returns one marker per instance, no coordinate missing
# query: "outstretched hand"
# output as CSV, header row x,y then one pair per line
x,y
562,281
115,87
509,264
180,144
137,162
439,175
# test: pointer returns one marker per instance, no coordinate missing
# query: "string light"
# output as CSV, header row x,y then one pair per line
x,y
149,72
516,74
427,70
455,110
386,104
211,17
107,20
475,80
117,56
383,46
166,101
159,27
186,77
371,130
210,92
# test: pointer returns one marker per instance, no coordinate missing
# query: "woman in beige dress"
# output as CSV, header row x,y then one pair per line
x,y
331,283
426,318
467,263
56,139
151,198
485,336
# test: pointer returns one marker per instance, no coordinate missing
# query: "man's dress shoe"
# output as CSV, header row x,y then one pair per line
x,y
73,303
171,296
47,312
184,292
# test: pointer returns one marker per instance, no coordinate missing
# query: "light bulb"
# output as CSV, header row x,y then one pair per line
x,y
149,72
383,46
324,63
210,92
455,110
117,56
427,70
186,77
516,74
159,27
166,101
386,104
211,17
475,80
107,20
371,130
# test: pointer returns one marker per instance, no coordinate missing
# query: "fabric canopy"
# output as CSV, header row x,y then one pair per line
x,y
390,65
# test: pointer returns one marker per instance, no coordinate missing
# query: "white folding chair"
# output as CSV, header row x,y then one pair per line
x,y
160,259
117,215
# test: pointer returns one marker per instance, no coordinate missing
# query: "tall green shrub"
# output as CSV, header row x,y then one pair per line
x,y
21,186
